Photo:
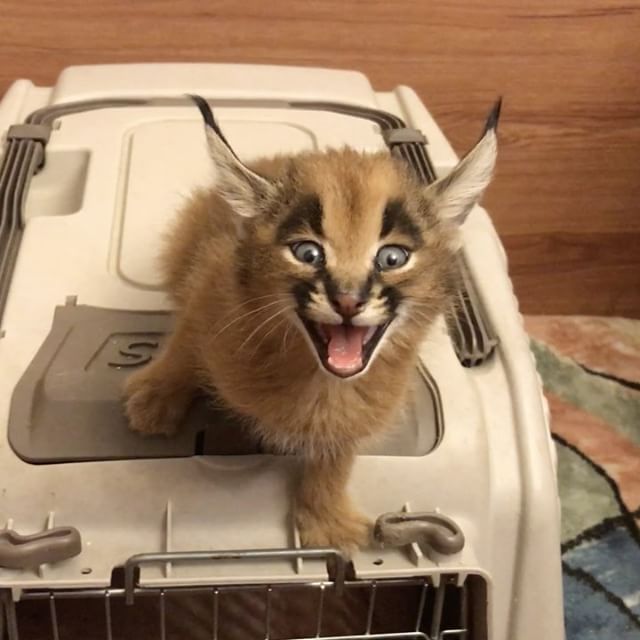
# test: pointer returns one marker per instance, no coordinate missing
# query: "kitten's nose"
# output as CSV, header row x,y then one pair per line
x,y
347,304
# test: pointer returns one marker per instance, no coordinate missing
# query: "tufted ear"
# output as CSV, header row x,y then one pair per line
x,y
241,187
455,195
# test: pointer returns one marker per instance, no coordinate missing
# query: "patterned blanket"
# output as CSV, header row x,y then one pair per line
x,y
591,373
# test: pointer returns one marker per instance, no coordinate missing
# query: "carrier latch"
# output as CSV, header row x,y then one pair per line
x,y
431,530
25,552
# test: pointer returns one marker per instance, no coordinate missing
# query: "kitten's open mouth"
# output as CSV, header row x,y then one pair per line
x,y
344,349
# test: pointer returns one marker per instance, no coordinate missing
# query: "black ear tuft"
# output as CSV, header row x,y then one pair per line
x,y
209,119
205,110
494,116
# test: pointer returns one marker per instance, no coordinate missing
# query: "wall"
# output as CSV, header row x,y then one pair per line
x,y
567,196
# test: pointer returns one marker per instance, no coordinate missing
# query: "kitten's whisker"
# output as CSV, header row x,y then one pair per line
x,y
246,315
262,324
279,296
266,335
420,314
250,300
425,317
284,338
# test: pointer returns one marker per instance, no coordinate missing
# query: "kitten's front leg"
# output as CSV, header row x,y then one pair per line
x,y
158,396
323,511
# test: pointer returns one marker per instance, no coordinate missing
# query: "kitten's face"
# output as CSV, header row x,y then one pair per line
x,y
352,249
354,246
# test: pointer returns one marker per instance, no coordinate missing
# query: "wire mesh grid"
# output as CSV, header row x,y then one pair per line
x,y
411,609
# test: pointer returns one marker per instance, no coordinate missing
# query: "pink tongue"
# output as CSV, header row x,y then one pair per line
x,y
345,346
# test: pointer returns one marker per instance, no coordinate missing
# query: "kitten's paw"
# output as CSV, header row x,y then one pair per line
x,y
154,406
343,529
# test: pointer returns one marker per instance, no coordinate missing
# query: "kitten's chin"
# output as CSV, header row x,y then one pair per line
x,y
344,350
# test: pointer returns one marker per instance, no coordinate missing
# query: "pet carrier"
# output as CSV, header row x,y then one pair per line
x,y
110,535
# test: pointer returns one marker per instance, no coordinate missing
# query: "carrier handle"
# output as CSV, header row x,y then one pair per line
x,y
25,552
334,556
431,529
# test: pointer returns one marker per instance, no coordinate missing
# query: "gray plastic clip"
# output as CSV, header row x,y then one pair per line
x,y
45,547
404,135
433,530
37,132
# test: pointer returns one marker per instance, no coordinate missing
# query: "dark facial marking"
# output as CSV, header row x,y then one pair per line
x,y
392,298
330,285
396,217
306,211
365,292
302,293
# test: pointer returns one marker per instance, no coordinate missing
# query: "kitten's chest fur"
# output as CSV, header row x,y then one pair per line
x,y
298,407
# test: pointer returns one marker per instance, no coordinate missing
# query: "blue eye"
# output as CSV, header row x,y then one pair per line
x,y
391,256
308,252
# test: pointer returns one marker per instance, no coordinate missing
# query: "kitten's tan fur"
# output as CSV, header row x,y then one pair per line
x,y
237,332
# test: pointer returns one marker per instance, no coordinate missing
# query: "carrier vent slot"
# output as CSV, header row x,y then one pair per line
x,y
472,337
19,162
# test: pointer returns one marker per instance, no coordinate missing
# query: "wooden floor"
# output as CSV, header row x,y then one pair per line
x,y
567,197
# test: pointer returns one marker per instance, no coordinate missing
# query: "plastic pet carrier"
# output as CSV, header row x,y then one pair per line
x,y
109,535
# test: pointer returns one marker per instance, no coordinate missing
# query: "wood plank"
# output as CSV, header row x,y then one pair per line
x,y
576,273
566,196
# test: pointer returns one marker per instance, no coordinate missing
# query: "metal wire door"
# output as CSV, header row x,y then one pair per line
x,y
411,609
